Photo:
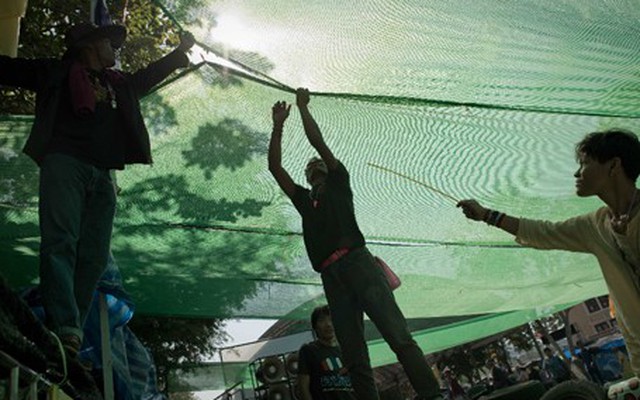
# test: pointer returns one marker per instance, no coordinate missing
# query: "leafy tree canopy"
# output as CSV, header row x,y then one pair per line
x,y
174,341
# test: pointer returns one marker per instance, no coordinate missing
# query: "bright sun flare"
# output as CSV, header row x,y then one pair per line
x,y
232,32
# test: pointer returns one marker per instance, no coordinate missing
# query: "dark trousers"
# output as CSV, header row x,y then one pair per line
x,y
77,207
355,285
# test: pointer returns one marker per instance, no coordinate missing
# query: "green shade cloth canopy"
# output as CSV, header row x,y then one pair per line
x,y
479,99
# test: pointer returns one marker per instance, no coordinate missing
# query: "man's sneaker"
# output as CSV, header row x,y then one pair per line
x,y
71,344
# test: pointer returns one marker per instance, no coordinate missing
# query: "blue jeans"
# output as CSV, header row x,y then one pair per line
x,y
76,207
355,285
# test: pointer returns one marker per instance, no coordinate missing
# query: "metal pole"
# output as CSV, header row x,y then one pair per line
x,y
11,11
33,389
105,341
535,341
14,383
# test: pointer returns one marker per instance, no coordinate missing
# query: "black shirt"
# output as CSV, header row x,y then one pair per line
x,y
328,220
95,138
328,377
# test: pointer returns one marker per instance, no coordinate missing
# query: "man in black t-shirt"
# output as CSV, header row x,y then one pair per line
x,y
321,372
353,282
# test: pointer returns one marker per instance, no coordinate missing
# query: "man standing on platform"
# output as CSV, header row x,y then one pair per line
x,y
87,122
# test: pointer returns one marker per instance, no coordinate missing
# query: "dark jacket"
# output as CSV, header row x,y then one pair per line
x,y
47,78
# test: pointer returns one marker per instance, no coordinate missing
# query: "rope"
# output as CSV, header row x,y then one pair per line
x,y
433,189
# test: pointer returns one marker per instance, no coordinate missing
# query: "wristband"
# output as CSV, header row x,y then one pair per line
x,y
493,217
499,219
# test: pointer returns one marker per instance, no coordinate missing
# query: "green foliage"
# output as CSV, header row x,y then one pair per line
x,y
150,34
182,10
173,341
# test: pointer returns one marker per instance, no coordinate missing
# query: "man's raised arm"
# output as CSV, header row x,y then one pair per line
x,y
279,114
312,130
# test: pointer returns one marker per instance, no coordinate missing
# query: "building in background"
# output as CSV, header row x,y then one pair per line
x,y
592,319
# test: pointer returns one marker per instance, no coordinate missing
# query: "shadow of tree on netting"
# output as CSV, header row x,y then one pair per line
x,y
175,233
228,144
158,113
168,199
195,272
165,231
19,232
19,174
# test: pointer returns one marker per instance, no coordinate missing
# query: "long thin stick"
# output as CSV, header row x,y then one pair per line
x,y
440,192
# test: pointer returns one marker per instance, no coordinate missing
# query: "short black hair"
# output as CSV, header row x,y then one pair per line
x,y
605,145
319,312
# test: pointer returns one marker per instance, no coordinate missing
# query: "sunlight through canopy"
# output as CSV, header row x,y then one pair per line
x,y
480,99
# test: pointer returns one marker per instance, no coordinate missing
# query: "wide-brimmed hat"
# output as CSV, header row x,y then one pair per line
x,y
86,32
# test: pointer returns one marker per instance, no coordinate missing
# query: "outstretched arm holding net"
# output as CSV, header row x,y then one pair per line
x,y
312,130
473,210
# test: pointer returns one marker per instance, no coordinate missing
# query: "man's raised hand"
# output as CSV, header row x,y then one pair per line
x,y
472,209
302,97
280,112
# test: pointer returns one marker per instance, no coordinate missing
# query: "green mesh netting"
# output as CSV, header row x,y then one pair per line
x,y
480,99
